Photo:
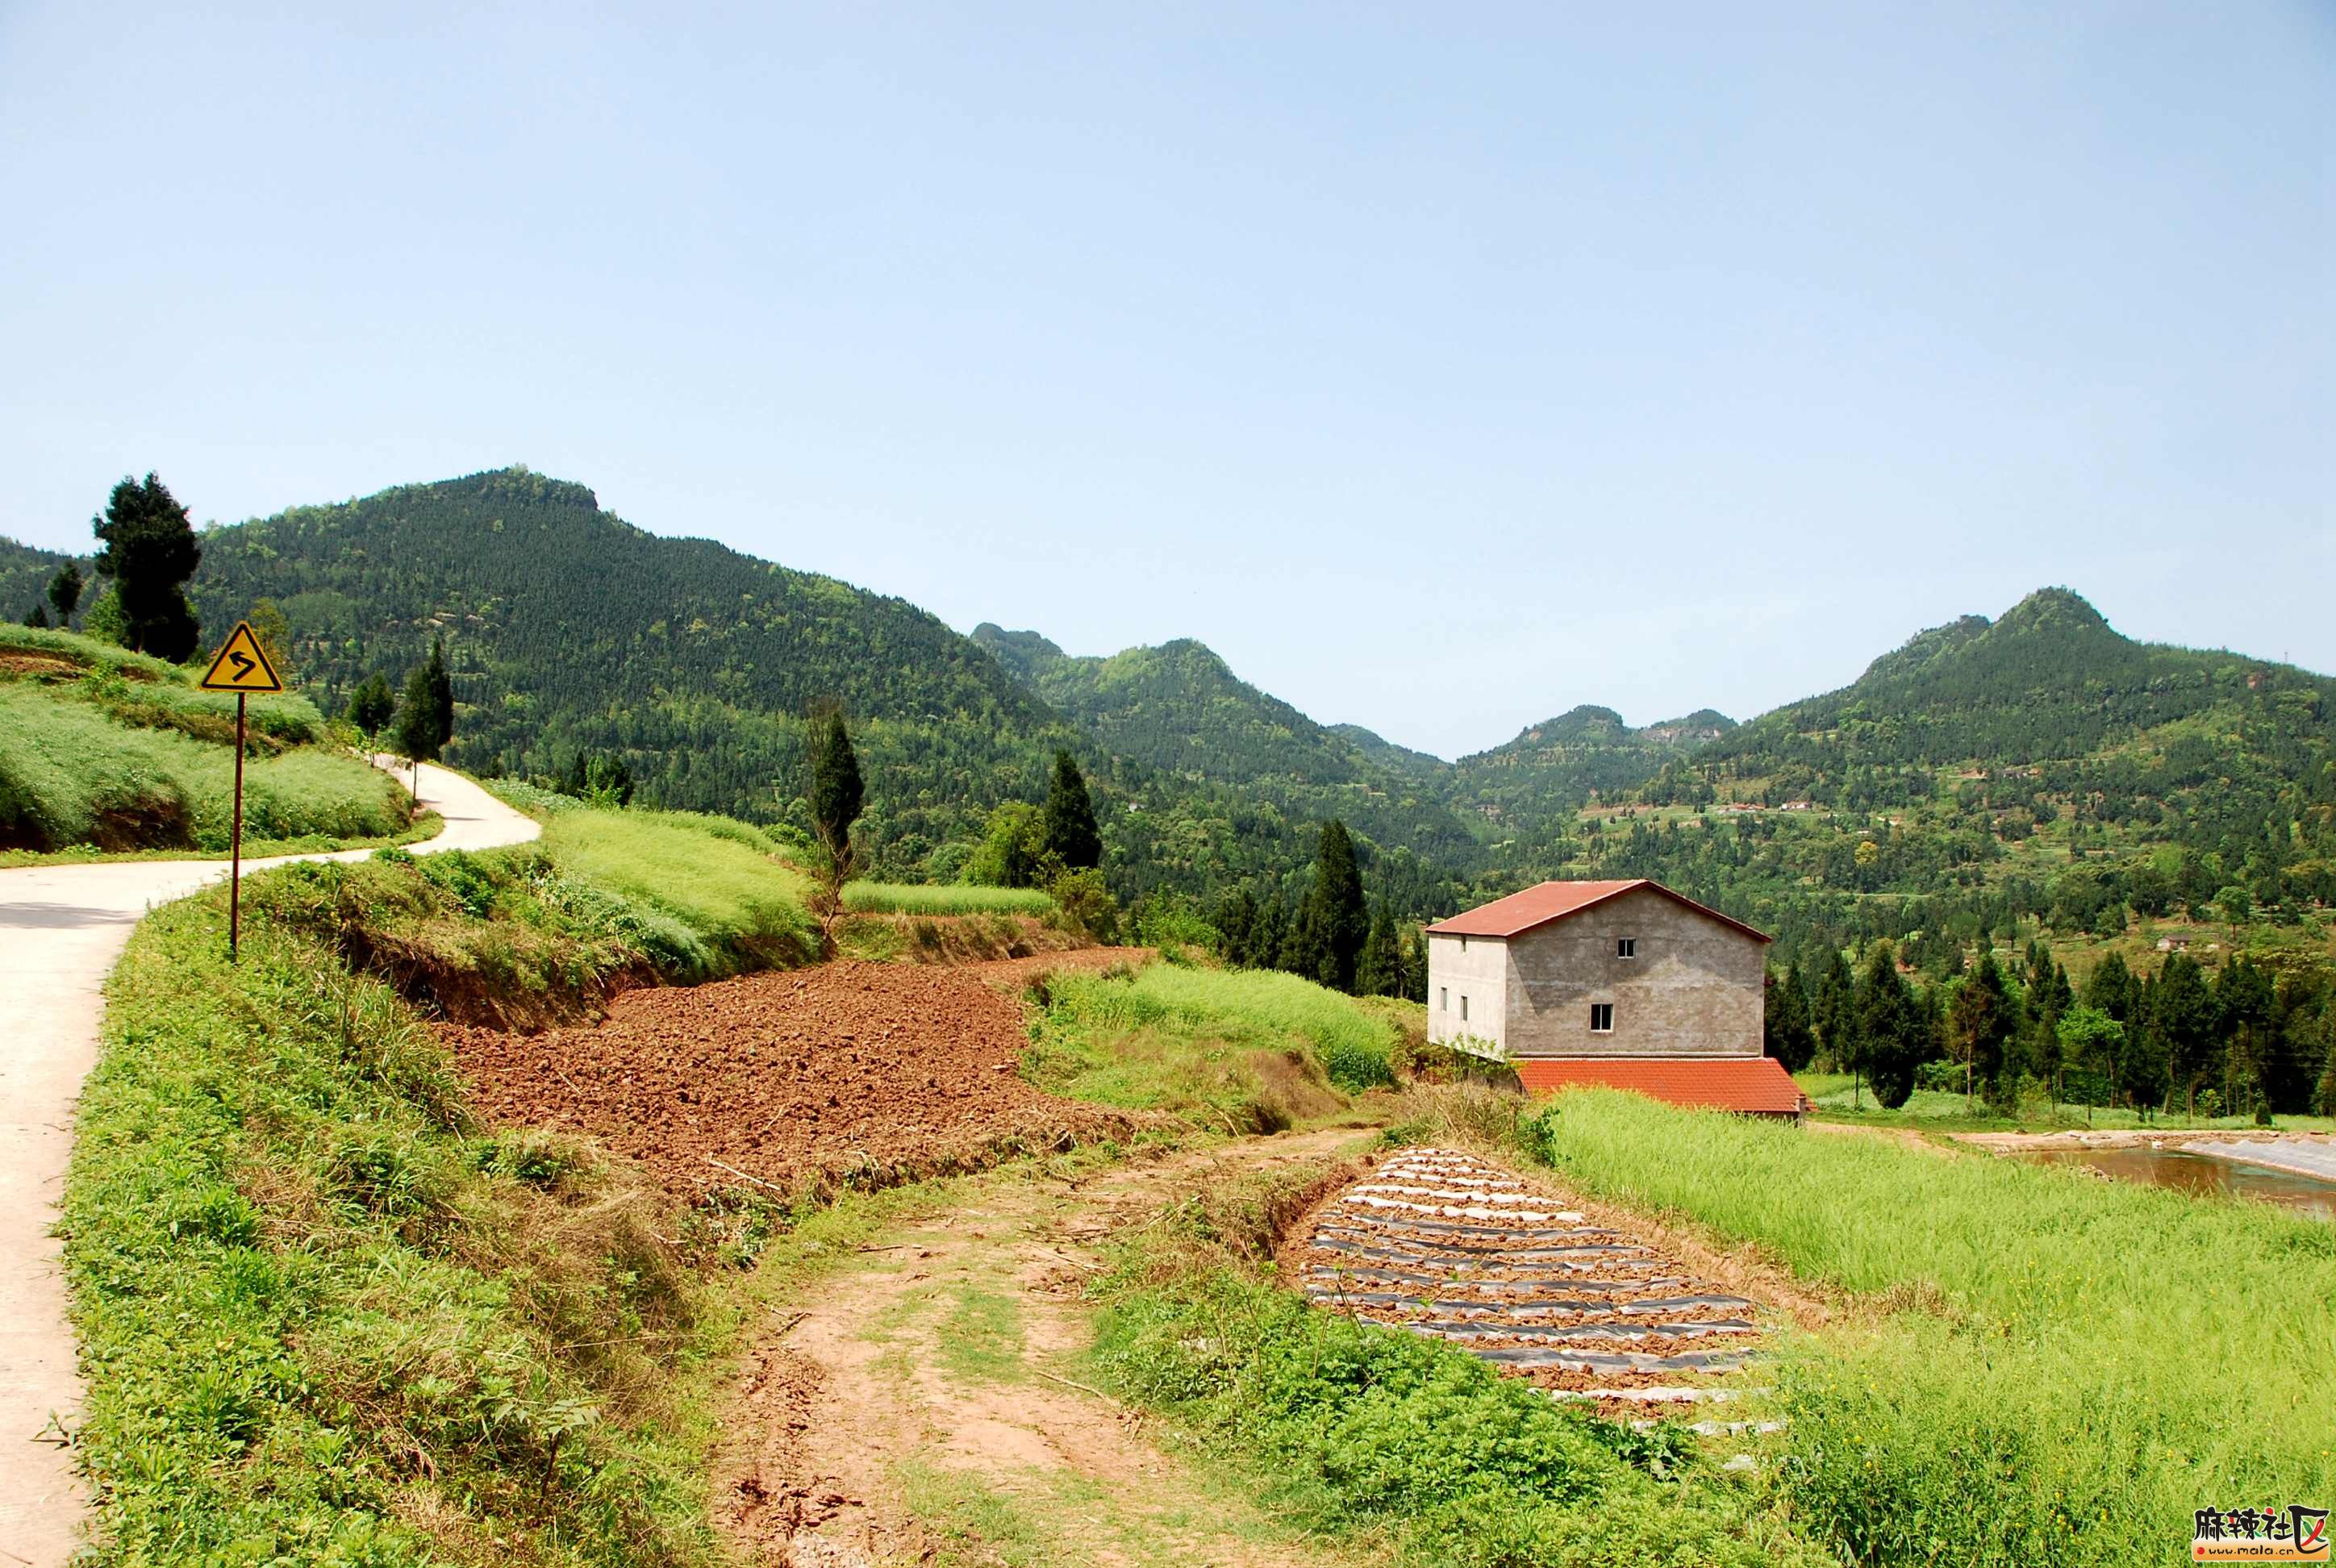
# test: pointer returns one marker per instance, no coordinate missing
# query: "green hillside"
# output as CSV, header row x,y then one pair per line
x,y
2041,766
569,629
24,574
103,751
1528,791
1239,765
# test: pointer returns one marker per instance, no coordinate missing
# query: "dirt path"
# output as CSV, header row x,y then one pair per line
x,y
61,929
924,1406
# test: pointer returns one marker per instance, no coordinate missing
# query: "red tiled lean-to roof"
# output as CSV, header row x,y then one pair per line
x,y
1722,1083
1546,902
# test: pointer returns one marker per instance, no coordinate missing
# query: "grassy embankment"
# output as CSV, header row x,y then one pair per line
x,y
1246,1050
327,1319
107,752
2058,1370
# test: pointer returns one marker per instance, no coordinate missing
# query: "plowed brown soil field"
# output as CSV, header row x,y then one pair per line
x,y
776,1077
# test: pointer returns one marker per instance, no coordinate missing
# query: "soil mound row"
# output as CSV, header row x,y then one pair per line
x,y
1454,1247
785,1076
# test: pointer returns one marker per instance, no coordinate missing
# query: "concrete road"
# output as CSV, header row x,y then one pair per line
x,y
62,928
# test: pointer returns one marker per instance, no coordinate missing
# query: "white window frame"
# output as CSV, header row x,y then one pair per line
x,y
1597,1008
1626,947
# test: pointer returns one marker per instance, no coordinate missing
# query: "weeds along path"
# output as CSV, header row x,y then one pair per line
x,y
62,928
923,1404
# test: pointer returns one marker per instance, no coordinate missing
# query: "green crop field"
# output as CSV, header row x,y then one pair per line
x,y
722,878
2063,1372
70,773
943,899
1254,1049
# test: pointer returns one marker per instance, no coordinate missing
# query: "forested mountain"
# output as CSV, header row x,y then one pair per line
x,y
24,574
1396,759
1531,789
1178,714
569,629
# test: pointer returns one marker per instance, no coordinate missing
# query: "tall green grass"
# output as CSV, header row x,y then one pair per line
x,y
1257,1049
2081,1364
70,774
719,877
943,899
324,1320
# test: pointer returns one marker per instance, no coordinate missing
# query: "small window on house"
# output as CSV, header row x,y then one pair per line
x,y
1463,1007
1626,947
1601,1018
1444,998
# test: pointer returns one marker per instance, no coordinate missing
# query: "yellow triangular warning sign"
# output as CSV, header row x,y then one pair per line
x,y
241,665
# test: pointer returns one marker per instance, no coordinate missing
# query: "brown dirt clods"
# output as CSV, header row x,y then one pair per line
x,y
775,1076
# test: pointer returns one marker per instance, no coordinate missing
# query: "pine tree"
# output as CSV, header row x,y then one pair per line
x,y
150,553
1378,972
65,593
441,695
1072,836
38,616
1339,920
1236,919
2112,989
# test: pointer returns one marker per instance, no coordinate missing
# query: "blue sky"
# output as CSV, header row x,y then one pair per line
x,y
1442,373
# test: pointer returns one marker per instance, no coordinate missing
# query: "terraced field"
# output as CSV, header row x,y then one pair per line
x,y
1445,1244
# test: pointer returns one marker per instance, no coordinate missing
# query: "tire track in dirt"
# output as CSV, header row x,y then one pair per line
x,y
941,1371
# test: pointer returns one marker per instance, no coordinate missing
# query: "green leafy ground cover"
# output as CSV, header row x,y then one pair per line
x,y
2071,1368
946,899
1250,1049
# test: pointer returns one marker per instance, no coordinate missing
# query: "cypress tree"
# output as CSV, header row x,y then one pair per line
x,y
150,553
836,790
415,736
1340,918
2183,1011
1980,1019
1072,836
1785,1030
2110,988
38,616
65,593
1378,972
1268,931
1236,918
1892,1031
1836,1014
442,694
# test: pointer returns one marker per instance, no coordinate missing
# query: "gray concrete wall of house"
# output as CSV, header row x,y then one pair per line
x,y
1694,988
1468,989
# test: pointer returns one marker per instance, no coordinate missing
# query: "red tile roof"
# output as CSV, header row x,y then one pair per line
x,y
1547,901
1727,1082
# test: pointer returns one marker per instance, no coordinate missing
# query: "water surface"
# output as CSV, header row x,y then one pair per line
x,y
2202,1175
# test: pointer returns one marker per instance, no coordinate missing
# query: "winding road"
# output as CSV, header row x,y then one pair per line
x,y
62,928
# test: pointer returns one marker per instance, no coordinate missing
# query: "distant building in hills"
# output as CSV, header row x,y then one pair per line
x,y
1622,983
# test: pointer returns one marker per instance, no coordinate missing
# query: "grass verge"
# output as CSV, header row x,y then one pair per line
x,y
1252,1049
952,899
325,1320
2074,1366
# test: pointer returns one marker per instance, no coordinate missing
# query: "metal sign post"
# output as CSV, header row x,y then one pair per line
x,y
241,667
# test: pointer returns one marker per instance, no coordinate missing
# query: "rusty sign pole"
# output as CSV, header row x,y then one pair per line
x,y
235,842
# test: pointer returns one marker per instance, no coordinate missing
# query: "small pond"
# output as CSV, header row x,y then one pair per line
x,y
2201,1175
